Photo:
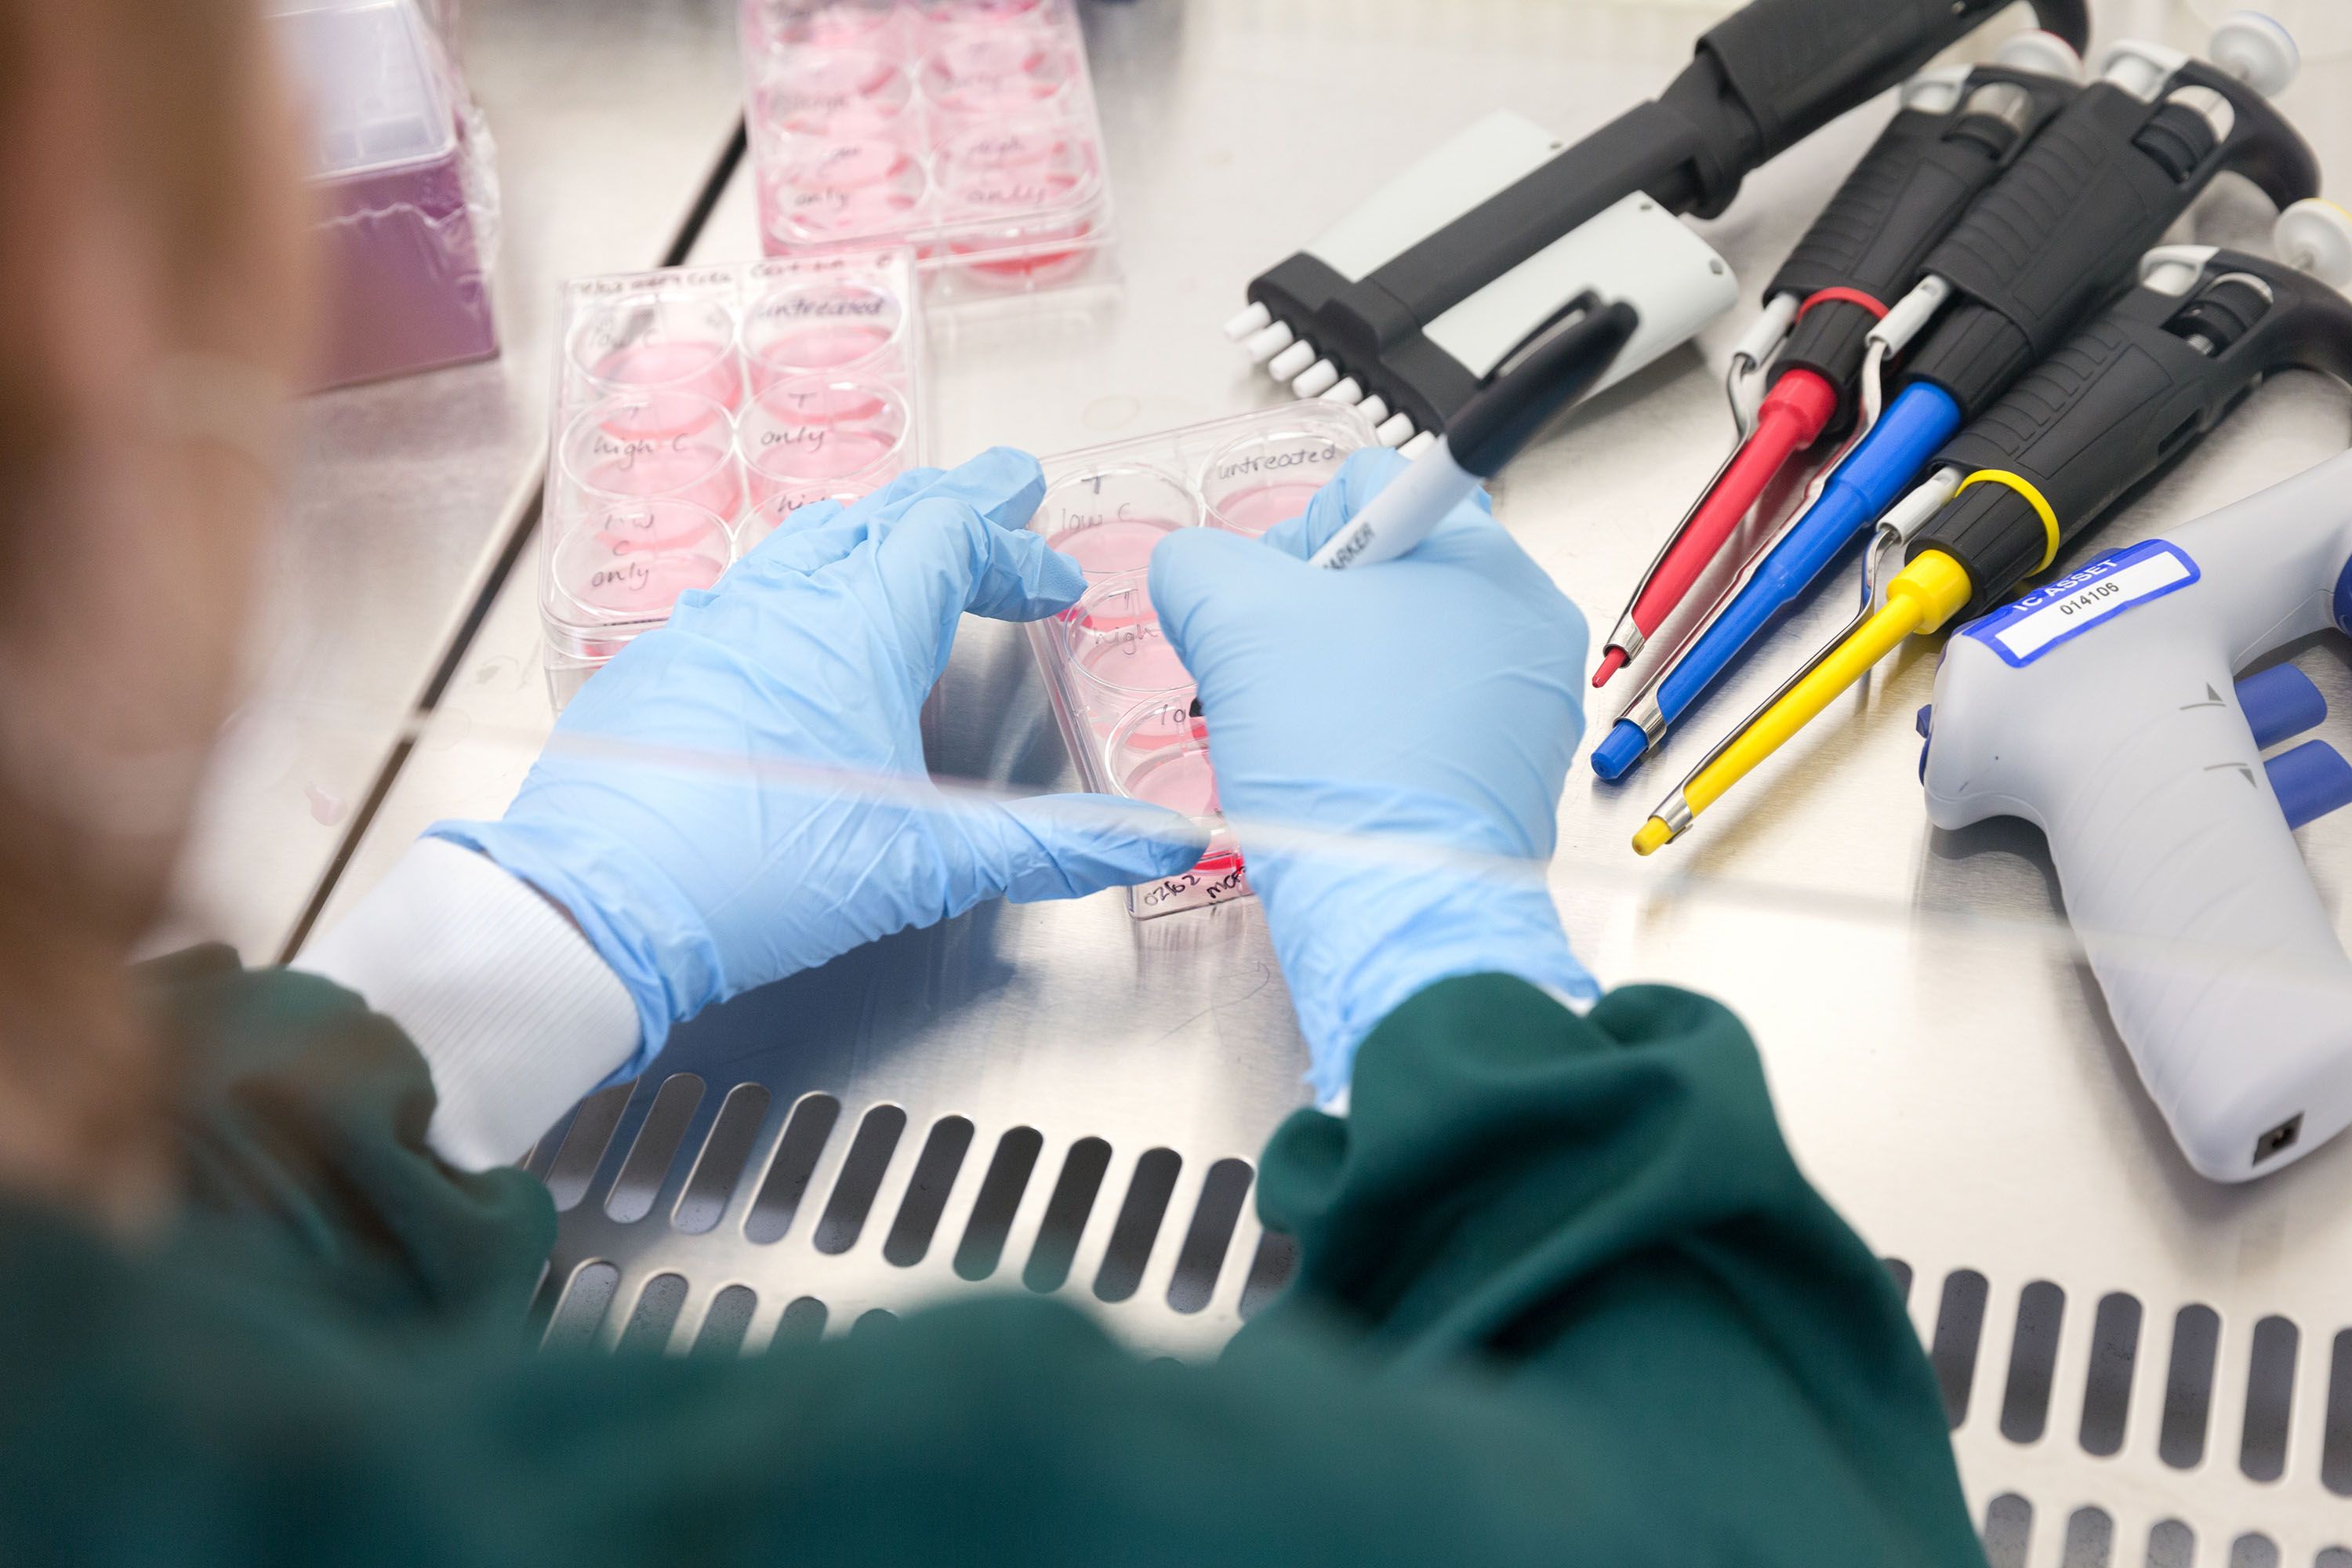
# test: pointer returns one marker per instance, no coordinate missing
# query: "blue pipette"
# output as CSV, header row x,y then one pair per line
x,y
1868,482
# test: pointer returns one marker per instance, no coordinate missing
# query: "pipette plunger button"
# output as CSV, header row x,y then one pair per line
x,y
2279,703
2311,781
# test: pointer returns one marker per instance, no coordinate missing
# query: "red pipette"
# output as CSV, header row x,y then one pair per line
x,y
1790,419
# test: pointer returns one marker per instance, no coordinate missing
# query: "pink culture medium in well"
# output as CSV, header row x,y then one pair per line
x,y
840,92
1109,520
654,468
798,432
805,452
607,453
825,24
1178,777
1115,545
700,367
819,327
995,70
828,345
632,562
1138,658
850,212
646,584
1253,511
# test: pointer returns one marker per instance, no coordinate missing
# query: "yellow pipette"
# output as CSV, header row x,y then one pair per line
x,y
1922,598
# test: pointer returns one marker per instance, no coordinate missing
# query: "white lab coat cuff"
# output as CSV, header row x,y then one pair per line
x,y
513,1011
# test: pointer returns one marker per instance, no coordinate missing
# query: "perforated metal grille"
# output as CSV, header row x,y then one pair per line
x,y
721,1230
2102,1429
2113,1431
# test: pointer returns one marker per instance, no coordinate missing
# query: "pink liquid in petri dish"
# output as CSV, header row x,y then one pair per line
x,y
793,455
661,526
1165,720
818,327
821,345
838,92
850,212
631,563
1133,655
805,433
776,513
1115,545
993,71
832,24
1178,778
1020,188
1253,511
851,164
646,582
827,402
700,367
649,468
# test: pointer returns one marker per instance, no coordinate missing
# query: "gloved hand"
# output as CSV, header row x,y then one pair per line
x,y
740,793
1435,698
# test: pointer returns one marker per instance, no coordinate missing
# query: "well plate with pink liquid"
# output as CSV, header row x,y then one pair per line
x,y
696,411
1122,696
966,129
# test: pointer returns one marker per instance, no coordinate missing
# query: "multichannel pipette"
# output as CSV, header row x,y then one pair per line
x,y
1548,375
1952,135
2026,265
1408,303
2105,709
2129,394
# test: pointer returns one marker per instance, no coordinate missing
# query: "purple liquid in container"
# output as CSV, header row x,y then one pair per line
x,y
402,261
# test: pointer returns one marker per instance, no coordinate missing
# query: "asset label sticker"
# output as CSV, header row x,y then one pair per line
x,y
2059,612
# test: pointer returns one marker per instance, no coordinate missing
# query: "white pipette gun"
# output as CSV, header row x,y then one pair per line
x,y
2105,709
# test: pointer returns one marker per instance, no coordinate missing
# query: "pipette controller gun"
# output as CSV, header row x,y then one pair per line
x,y
1798,371
1408,303
2101,709
2026,265
2052,460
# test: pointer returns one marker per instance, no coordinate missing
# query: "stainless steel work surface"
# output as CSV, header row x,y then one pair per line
x,y
1060,1098
608,116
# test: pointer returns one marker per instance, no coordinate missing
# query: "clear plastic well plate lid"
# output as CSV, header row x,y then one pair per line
x,y
966,127
696,409
369,74
1122,697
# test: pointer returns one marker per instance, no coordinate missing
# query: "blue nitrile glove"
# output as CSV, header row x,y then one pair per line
x,y
740,794
1436,698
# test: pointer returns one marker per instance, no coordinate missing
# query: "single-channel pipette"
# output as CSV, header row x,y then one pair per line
x,y
1954,132
2027,264
2049,463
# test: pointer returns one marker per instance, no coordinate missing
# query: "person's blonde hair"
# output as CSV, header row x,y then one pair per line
x,y
130,135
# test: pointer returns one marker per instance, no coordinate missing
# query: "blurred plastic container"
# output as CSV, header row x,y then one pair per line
x,y
1121,694
963,128
695,410
402,184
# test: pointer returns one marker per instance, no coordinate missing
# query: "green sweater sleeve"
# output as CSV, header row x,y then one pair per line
x,y
1563,1298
